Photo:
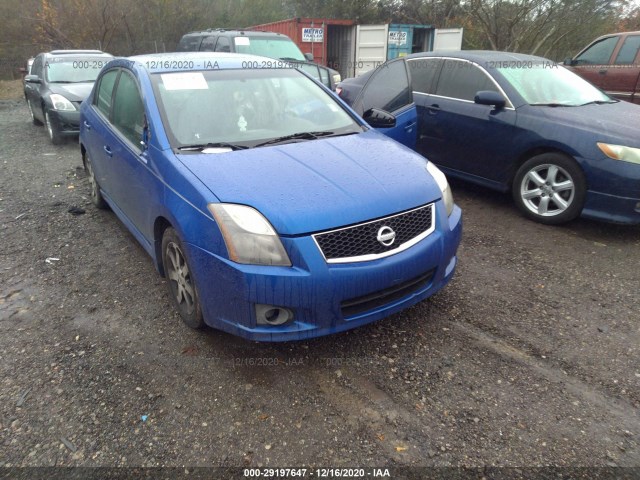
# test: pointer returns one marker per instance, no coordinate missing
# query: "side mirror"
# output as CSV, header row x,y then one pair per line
x,y
32,79
490,97
379,118
570,62
309,56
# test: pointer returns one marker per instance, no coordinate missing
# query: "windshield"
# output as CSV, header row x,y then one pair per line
x,y
245,108
75,69
551,84
272,47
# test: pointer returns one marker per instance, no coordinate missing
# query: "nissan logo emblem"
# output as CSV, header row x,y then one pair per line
x,y
386,236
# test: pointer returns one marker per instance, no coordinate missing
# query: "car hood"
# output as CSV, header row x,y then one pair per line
x,y
609,122
320,184
75,92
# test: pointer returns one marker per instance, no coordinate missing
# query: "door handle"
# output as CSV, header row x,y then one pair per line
x,y
603,71
87,125
433,109
409,126
108,150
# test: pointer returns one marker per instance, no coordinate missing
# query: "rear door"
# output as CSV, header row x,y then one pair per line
x,y
388,89
95,130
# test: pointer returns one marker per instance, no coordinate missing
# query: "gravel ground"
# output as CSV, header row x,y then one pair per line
x,y
528,358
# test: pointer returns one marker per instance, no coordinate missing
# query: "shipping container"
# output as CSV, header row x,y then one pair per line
x,y
354,49
376,44
405,39
330,41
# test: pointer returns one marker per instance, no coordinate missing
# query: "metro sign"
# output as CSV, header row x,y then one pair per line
x,y
313,34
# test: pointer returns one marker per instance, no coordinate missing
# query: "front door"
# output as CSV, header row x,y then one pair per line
x,y
388,89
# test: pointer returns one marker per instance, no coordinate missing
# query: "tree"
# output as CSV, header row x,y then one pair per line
x,y
539,26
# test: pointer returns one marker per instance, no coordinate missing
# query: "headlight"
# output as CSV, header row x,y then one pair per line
x,y
336,78
249,237
441,180
61,103
620,152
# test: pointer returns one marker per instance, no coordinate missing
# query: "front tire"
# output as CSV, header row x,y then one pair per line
x,y
182,285
52,129
550,188
34,120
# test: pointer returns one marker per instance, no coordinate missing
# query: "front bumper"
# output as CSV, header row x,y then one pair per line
x,y
65,122
614,191
325,298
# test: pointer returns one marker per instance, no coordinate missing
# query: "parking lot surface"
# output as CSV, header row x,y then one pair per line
x,y
528,358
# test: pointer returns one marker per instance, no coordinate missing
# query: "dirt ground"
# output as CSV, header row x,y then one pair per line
x,y
529,358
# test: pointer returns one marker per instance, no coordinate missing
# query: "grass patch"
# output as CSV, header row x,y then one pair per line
x,y
11,90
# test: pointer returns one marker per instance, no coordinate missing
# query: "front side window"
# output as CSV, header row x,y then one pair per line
x,y
208,44
246,107
599,53
629,50
462,80
128,110
104,92
388,89
36,68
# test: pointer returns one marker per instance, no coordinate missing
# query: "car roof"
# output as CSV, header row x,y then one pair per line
x,y
78,52
181,61
252,33
480,56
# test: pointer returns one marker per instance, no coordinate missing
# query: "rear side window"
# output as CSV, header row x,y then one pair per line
x,y
462,80
104,93
208,44
423,73
388,89
629,50
128,110
599,53
189,43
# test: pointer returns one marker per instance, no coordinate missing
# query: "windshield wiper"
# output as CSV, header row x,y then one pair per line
x,y
202,146
598,102
551,104
296,136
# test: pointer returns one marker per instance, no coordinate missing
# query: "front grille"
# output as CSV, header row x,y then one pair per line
x,y
369,302
360,242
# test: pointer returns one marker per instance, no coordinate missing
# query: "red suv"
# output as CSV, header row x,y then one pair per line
x,y
612,63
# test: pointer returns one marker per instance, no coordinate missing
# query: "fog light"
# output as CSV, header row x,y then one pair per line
x,y
272,315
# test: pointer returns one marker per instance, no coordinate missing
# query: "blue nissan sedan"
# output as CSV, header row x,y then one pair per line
x,y
273,210
516,123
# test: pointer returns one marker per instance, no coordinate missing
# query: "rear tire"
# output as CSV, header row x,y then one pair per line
x,y
96,195
550,188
